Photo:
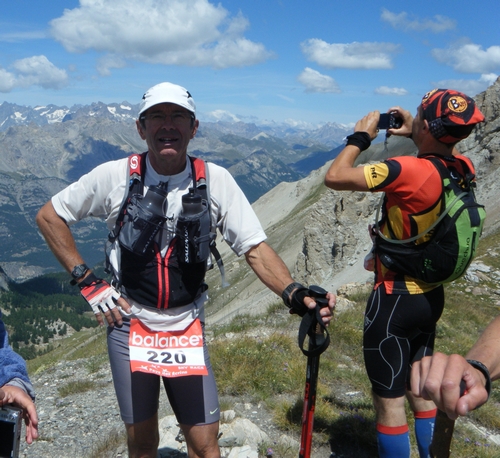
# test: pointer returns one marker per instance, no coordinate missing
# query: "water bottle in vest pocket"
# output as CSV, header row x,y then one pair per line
x,y
144,217
193,229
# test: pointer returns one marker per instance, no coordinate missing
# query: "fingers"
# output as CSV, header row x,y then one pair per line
x,y
368,124
31,421
124,305
99,319
325,312
440,378
18,397
406,116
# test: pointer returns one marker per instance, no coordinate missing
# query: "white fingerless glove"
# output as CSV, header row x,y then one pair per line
x,y
100,295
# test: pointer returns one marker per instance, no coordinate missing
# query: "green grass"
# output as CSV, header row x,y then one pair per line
x,y
269,367
75,387
257,357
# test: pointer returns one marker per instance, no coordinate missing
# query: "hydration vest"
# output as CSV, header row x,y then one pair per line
x,y
454,235
150,278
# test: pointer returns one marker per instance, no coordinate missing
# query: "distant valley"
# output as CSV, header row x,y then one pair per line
x,y
46,148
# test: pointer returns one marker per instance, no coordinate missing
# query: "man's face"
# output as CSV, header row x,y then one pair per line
x,y
167,129
418,122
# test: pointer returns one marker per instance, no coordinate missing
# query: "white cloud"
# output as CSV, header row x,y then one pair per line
x,y
470,58
385,90
195,33
402,21
349,55
33,71
469,87
221,115
7,81
109,61
314,81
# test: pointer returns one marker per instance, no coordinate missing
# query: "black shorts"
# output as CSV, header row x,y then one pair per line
x,y
398,330
193,399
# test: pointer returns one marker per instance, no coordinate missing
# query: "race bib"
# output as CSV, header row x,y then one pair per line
x,y
168,354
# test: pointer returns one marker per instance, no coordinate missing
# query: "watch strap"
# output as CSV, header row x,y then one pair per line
x,y
78,272
484,370
285,295
88,280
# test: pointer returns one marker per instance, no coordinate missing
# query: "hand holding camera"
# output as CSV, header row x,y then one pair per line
x,y
16,404
397,121
389,121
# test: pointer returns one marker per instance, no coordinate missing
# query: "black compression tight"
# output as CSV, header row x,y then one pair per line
x,y
398,330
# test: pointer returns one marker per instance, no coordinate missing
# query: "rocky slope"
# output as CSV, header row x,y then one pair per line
x,y
322,234
322,237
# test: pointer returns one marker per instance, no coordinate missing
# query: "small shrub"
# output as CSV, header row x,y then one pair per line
x,y
76,386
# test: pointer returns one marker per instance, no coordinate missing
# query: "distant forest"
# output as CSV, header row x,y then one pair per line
x,y
39,309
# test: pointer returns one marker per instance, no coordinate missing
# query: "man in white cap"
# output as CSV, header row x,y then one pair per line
x,y
154,306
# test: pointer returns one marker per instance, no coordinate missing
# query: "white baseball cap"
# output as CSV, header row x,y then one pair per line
x,y
167,93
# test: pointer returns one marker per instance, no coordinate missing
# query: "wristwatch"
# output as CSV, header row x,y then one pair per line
x,y
78,272
484,370
285,295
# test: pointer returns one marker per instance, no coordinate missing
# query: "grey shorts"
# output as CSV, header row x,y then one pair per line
x,y
193,399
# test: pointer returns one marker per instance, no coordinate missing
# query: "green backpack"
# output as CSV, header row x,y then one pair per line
x,y
452,246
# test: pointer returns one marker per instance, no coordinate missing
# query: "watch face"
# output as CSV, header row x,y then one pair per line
x,y
79,271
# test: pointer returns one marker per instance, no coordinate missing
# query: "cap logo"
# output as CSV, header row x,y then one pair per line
x,y
429,95
457,104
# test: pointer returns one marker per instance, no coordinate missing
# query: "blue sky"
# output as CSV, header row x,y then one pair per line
x,y
316,61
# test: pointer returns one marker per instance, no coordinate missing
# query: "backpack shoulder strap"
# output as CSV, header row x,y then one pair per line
x,y
135,173
201,183
444,172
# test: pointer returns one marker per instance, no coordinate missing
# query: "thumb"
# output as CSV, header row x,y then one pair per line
x,y
124,304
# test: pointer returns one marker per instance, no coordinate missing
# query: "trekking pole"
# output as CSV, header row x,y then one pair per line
x,y
319,339
443,432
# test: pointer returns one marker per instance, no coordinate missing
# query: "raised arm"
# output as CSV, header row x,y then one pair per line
x,y
342,175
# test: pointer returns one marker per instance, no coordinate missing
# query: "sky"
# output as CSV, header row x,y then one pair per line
x,y
291,61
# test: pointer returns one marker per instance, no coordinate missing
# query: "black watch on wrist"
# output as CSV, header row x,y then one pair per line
x,y
78,272
484,370
285,295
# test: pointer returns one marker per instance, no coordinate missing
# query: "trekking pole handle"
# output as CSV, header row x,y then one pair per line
x,y
319,296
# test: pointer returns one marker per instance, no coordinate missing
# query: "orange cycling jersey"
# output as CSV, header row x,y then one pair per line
x,y
413,188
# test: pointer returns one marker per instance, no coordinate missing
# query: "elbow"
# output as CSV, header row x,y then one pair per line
x,y
332,181
41,216
46,216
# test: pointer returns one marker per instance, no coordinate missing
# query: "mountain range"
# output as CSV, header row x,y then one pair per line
x,y
320,233
46,148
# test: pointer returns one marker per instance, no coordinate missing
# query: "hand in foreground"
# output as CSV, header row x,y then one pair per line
x,y
102,297
438,378
19,398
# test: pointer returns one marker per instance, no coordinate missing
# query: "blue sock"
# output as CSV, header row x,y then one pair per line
x,y
393,441
424,429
